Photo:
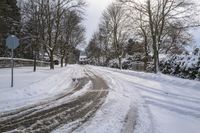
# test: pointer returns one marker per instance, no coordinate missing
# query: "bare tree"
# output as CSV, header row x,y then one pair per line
x,y
31,14
105,40
176,39
115,16
159,14
49,22
72,33
139,30
93,50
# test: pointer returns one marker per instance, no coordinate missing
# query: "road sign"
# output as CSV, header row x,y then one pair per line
x,y
12,42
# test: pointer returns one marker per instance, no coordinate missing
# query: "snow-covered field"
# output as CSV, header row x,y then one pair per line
x,y
137,102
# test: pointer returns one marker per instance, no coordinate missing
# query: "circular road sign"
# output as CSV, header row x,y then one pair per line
x,y
12,42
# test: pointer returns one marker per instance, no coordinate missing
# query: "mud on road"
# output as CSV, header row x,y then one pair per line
x,y
47,116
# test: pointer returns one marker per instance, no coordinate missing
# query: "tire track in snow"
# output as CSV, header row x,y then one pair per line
x,y
44,118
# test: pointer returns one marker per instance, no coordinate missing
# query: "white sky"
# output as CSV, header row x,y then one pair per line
x,y
93,14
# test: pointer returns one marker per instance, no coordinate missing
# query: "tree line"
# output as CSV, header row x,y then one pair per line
x,y
45,28
149,27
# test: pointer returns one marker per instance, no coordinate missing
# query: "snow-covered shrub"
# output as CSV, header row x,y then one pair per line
x,y
184,66
130,62
114,63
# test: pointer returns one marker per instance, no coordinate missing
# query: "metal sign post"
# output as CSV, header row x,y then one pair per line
x,y
12,67
12,42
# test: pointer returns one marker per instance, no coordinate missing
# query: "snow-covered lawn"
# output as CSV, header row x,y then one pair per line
x,y
164,104
30,87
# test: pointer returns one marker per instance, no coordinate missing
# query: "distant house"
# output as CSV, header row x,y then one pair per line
x,y
83,58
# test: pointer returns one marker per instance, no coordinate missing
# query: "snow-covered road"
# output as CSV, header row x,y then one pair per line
x,y
163,104
80,102
136,102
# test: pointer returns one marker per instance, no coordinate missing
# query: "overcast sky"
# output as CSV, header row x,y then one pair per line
x,y
93,14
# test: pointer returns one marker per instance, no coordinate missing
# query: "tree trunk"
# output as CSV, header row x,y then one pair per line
x,y
156,58
153,35
157,61
155,53
145,63
66,61
146,53
120,63
35,62
51,60
62,61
